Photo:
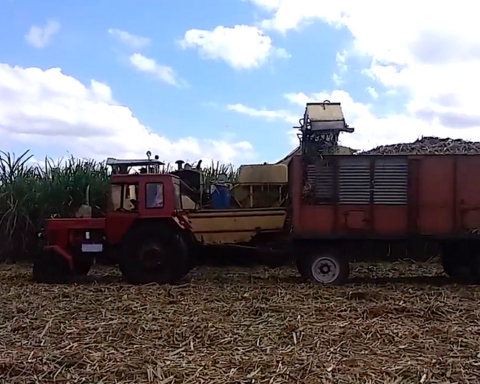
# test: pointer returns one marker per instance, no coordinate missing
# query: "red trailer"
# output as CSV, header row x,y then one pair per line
x,y
339,201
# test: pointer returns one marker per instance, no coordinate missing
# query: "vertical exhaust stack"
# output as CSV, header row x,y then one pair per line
x,y
179,164
320,128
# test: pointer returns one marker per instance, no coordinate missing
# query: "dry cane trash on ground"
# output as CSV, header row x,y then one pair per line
x,y
390,324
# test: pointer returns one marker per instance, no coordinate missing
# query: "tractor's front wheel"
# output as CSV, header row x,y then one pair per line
x,y
160,257
82,266
51,268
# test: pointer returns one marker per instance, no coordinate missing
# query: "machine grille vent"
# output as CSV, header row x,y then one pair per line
x,y
355,185
320,177
391,181
354,181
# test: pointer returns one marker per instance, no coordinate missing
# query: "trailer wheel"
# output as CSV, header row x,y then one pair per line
x,y
456,263
455,268
326,268
474,266
448,266
160,257
51,268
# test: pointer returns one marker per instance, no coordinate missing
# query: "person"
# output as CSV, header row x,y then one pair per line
x,y
158,201
155,196
135,204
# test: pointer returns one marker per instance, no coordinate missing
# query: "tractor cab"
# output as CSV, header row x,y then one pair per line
x,y
142,190
138,189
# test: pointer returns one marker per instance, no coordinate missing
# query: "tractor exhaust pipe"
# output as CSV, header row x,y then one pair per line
x,y
179,164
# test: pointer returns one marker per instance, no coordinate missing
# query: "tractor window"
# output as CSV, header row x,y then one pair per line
x,y
154,195
116,196
178,199
124,197
131,197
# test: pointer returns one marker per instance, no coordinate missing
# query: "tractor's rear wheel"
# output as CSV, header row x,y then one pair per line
x,y
51,268
160,257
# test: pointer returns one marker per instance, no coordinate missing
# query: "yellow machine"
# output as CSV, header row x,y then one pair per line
x,y
259,198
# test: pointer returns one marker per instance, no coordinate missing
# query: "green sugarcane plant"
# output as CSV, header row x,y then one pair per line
x,y
32,192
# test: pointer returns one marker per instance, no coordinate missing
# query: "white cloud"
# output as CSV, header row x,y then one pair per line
x,y
40,37
242,47
432,57
270,5
269,115
337,79
129,39
341,57
342,68
297,98
53,110
162,72
290,119
372,92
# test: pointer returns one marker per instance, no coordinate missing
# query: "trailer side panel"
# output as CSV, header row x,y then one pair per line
x,y
467,194
385,196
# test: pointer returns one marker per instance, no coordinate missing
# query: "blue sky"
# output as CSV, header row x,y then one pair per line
x,y
214,79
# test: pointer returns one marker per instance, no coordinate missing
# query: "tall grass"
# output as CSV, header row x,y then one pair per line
x,y
31,193
216,169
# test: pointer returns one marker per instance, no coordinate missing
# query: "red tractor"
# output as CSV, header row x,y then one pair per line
x,y
144,228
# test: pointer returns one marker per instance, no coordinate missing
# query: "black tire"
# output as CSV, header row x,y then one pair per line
x,y
193,249
82,266
448,266
154,256
456,268
458,264
474,265
51,268
325,268
300,262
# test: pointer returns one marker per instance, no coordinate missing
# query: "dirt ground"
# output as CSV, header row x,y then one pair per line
x,y
391,324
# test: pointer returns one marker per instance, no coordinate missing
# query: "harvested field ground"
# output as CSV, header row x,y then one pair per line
x,y
404,324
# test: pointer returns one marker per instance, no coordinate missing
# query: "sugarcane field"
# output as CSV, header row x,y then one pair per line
x,y
406,316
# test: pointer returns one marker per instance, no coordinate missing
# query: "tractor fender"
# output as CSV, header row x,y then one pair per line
x,y
62,253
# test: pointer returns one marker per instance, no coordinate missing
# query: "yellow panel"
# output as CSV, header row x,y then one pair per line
x,y
263,173
325,112
235,226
